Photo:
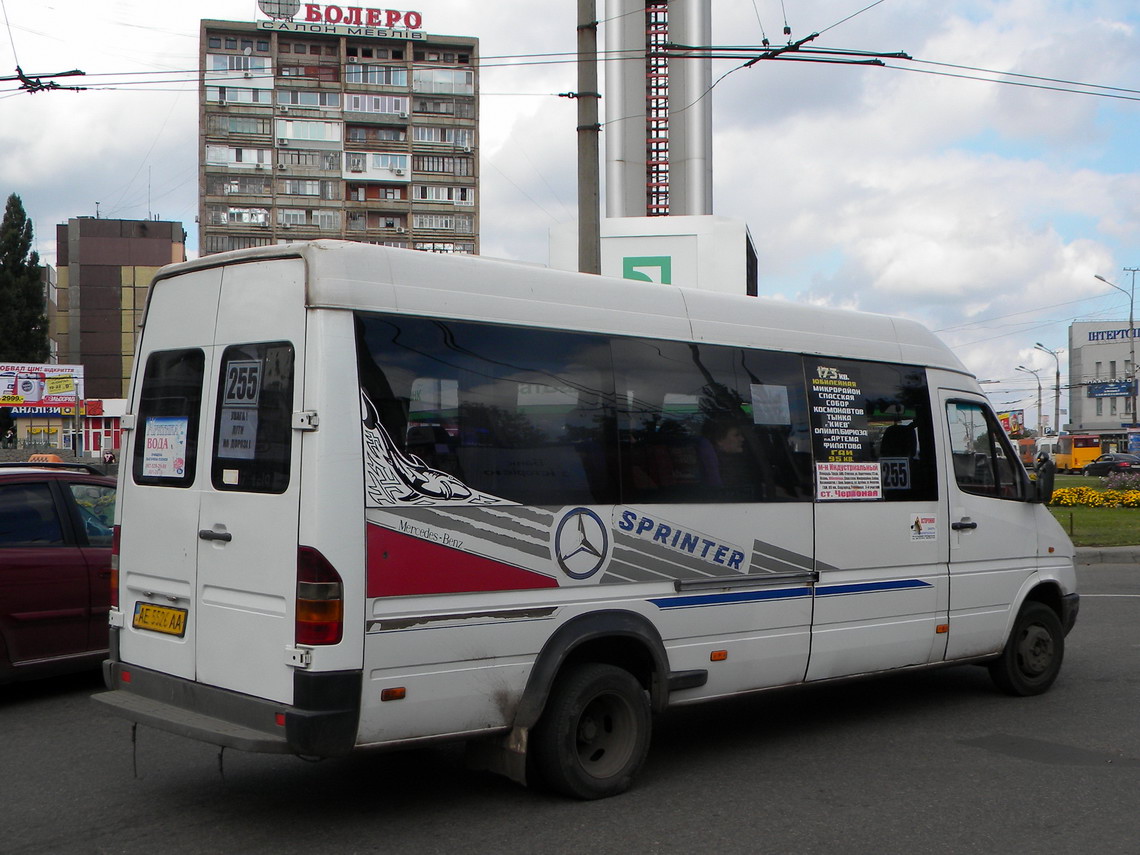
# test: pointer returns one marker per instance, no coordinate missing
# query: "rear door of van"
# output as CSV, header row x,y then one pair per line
x,y
208,549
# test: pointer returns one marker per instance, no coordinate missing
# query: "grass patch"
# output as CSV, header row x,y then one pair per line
x,y
1096,526
1100,526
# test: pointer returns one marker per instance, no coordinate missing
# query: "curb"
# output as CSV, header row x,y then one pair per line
x,y
1087,555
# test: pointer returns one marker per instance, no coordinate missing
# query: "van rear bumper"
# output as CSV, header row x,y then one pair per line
x,y
323,723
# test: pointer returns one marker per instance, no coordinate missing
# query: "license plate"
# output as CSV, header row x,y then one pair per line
x,y
164,619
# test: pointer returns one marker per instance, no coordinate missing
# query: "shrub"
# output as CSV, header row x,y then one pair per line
x,y
1123,481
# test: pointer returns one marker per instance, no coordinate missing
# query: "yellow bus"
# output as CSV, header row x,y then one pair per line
x,y
1075,450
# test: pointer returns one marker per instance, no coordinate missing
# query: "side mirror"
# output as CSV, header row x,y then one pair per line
x,y
1046,471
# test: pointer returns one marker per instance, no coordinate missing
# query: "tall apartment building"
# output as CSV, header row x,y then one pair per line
x,y
95,304
337,130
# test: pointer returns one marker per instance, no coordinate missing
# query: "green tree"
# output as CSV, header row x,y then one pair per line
x,y
23,322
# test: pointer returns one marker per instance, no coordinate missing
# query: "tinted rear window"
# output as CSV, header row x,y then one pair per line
x,y
166,448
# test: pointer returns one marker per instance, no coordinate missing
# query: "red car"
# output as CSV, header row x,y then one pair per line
x,y
55,568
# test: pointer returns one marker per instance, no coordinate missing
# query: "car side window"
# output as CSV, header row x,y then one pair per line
x,y
96,505
28,516
984,462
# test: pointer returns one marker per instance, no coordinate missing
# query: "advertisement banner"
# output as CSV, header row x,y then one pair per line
x,y
45,388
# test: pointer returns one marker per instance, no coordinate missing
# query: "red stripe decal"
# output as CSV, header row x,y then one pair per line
x,y
402,565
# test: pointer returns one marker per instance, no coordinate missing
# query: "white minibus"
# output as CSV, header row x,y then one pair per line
x,y
372,497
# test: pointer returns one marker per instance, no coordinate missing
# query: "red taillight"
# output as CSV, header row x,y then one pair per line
x,y
115,567
320,599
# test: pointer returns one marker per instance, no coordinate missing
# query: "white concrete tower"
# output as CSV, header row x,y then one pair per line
x,y
658,110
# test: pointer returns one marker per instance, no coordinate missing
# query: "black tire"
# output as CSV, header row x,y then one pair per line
x,y
594,732
1033,654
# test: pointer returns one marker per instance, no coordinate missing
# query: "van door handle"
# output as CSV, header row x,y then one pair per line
x,y
209,534
959,526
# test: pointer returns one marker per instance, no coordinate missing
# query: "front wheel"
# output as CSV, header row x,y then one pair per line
x,y
1032,656
594,733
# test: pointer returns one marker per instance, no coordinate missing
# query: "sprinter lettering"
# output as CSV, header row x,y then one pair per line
x,y
682,540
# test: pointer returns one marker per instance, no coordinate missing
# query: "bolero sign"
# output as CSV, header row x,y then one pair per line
x,y
355,16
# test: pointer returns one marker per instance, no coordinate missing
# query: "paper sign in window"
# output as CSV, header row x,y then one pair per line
x,y
164,447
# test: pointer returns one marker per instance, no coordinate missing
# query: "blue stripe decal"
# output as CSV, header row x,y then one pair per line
x,y
729,598
733,597
871,587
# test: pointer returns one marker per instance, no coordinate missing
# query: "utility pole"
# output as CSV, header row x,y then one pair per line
x,y
589,178
1132,341
1036,377
1056,387
1131,331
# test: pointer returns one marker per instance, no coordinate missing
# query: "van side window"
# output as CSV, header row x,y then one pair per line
x,y
516,413
704,423
253,432
984,462
166,447
872,431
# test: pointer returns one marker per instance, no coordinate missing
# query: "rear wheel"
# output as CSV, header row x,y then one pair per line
x,y
1032,656
594,733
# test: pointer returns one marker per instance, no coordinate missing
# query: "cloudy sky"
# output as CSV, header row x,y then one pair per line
x,y
982,209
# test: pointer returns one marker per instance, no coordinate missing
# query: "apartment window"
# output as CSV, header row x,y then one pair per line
x,y
291,217
328,161
433,221
389,161
230,62
1099,365
435,193
376,75
316,131
445,247
1100,406
218,215
369,52
443,164
236,185
463,137
220,155
365,133
313,100
224,243
388,104
443,81
1112,406
325,219
300,187
465,224
238,95
221,124
325,73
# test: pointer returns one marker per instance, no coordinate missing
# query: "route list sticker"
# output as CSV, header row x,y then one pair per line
x,y
164,454
840,436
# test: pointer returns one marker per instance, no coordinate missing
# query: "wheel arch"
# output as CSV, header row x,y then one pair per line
x,y
625,639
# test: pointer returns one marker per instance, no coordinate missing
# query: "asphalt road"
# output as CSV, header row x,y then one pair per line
x,y
930,762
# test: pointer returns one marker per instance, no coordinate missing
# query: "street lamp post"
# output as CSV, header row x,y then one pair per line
x,y
1056,388
1131,331
1037,377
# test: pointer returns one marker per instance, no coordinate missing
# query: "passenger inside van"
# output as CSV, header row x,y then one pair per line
x,y
722,459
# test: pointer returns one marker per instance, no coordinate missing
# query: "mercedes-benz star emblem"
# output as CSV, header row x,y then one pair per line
x,y
581,543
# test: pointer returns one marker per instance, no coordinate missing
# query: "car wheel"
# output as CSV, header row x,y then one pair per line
x,y
594,733
1033,653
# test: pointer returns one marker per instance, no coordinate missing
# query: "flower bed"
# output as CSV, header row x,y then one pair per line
x,y
1068,497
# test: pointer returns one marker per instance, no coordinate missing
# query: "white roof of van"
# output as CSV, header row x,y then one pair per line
x,y
351,275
